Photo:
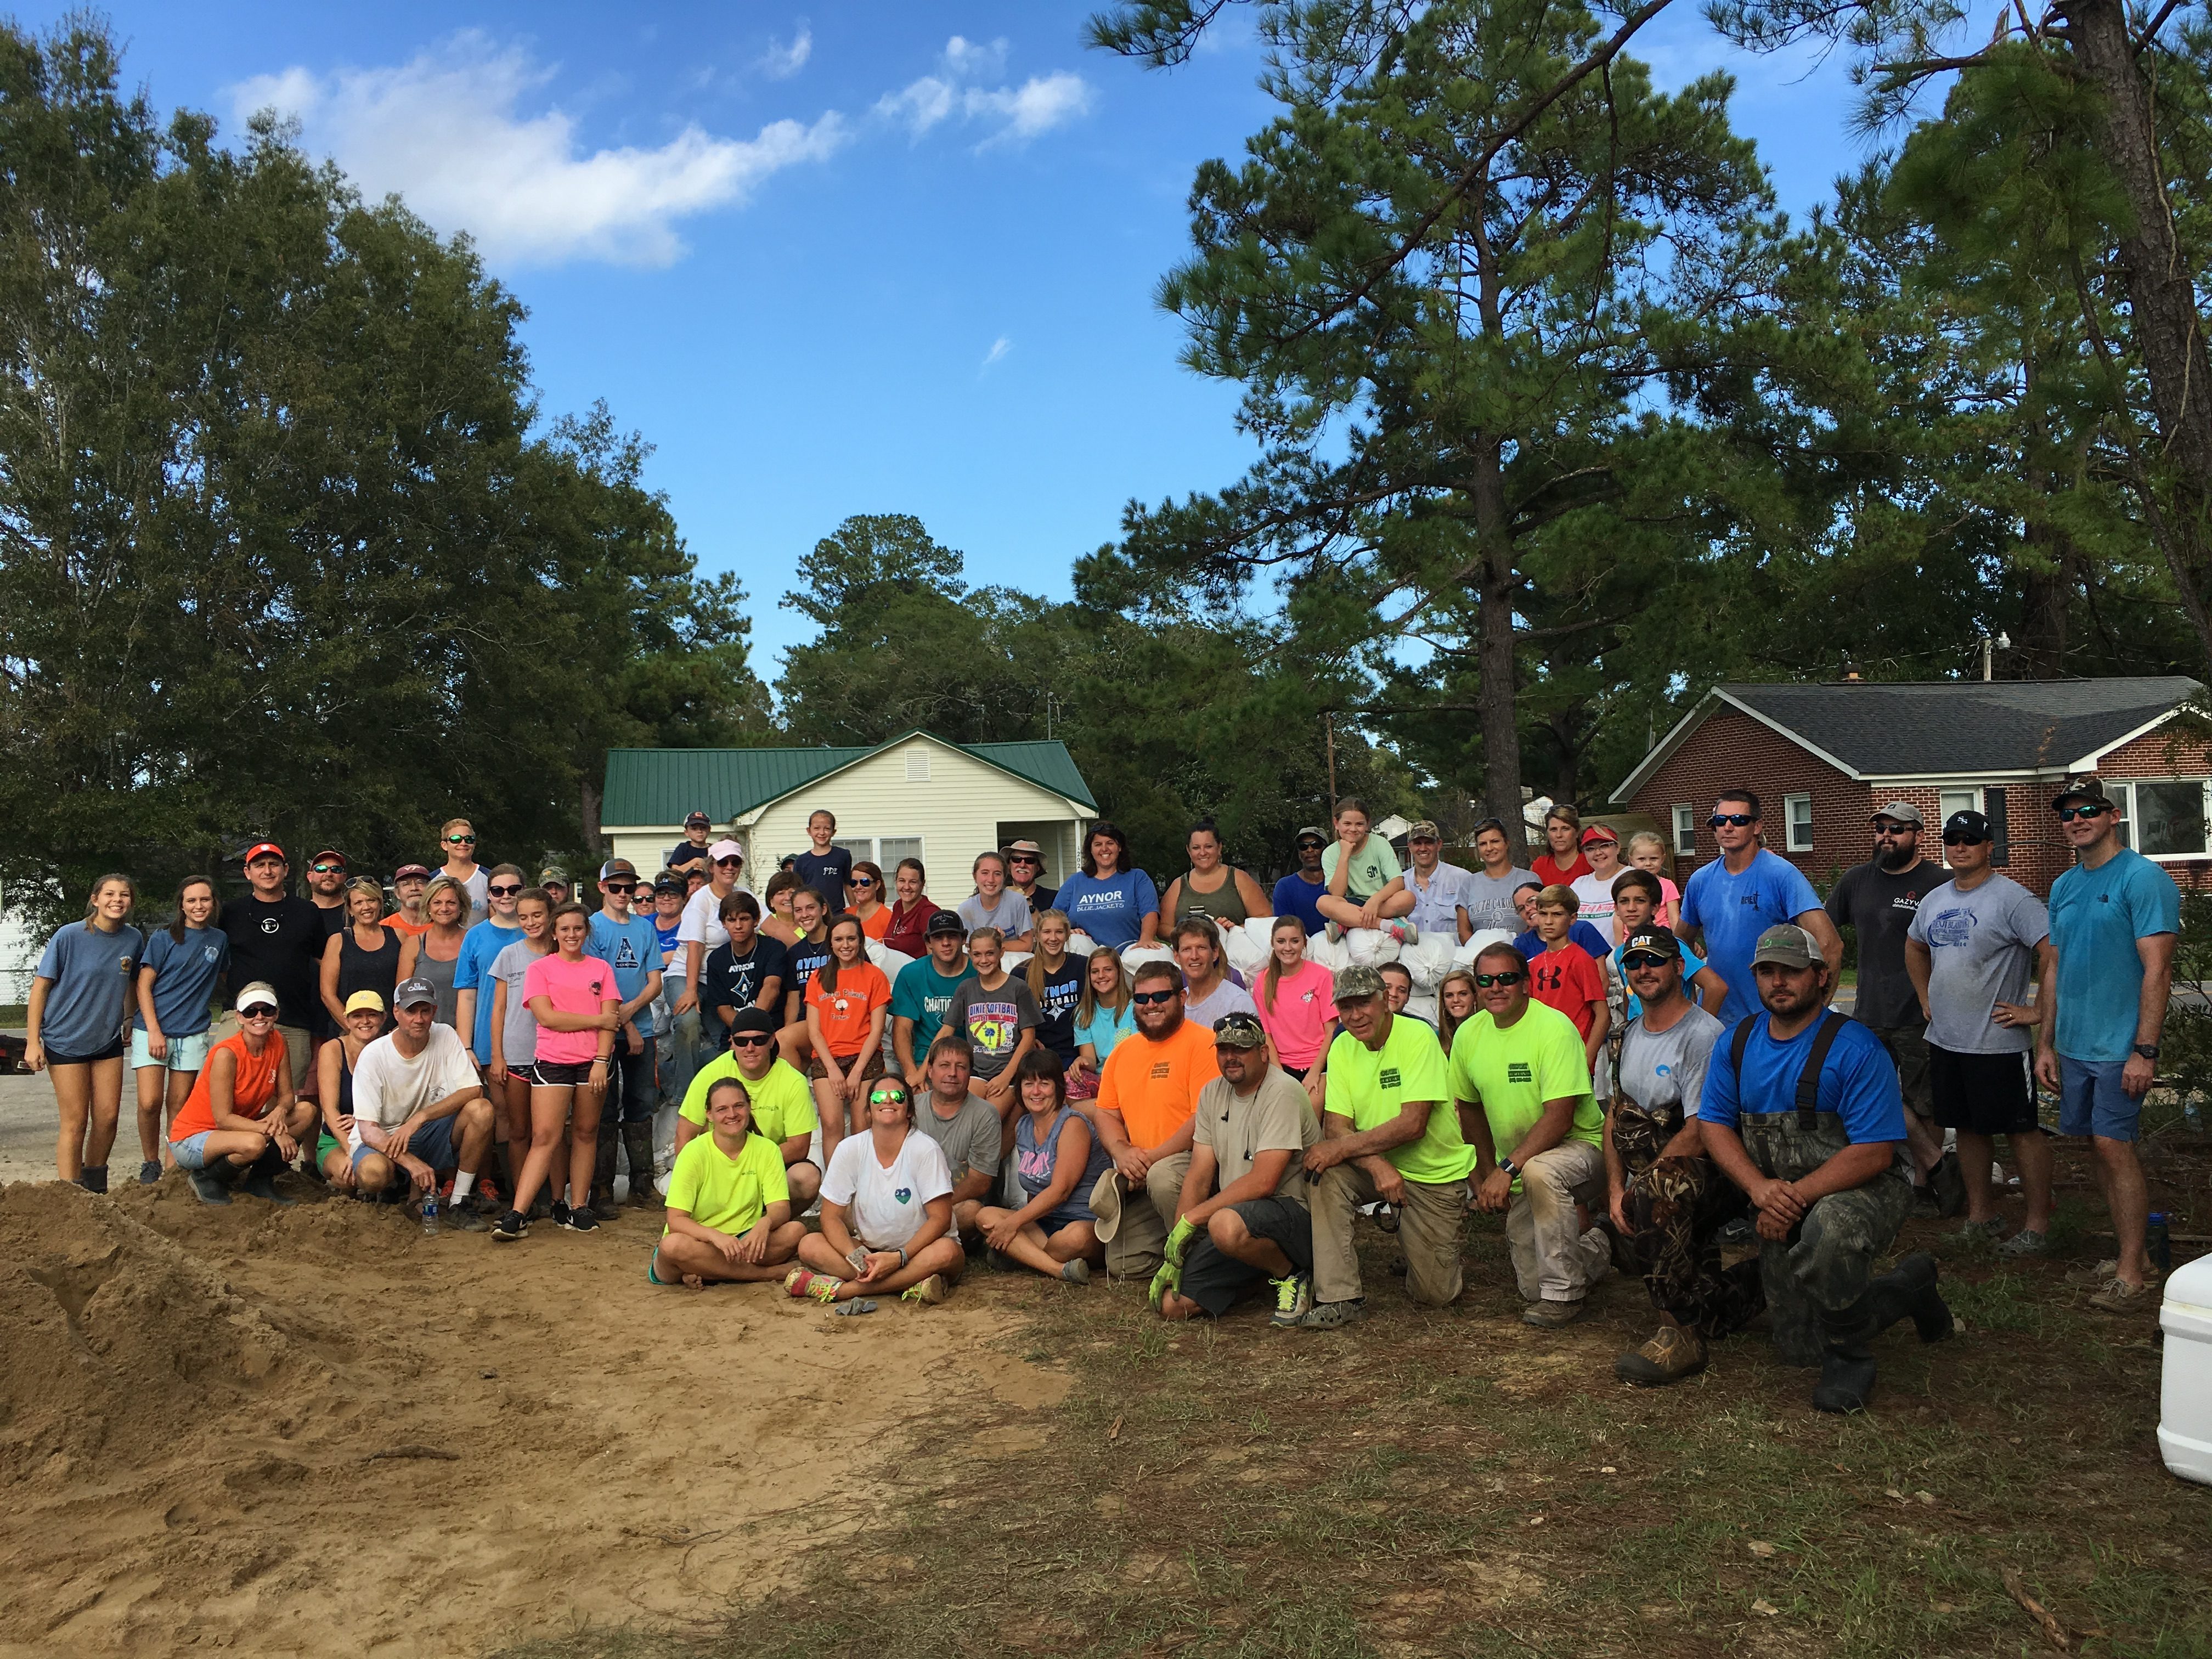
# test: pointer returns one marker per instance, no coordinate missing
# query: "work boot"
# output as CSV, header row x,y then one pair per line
x,y
1908,1290
1795,1326
637,1143
1847,1372
1669,1356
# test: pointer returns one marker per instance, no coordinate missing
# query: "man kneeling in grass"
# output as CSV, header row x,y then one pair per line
x,y
729,1203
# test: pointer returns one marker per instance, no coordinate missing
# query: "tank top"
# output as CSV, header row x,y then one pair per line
x,y
345,1082
376,971
1034,1163
440,975
253,1087
1224,904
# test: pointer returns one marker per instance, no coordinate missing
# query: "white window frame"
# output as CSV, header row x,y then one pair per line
x,y
2124,795
1685,830
869,849
1945,806
1789,824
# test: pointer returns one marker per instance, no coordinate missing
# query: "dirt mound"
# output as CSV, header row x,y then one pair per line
x,y
112,1326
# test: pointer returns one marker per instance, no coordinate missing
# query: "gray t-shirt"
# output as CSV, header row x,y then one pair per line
x,y
1489,899
1010,915
1223,999
517,1038
994,1020
969,1137
1981,947
1661,1070
1277,1116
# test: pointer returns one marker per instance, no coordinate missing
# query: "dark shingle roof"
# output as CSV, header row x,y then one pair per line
x,y
660,785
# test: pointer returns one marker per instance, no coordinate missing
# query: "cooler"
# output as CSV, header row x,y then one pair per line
x,y
2185,1428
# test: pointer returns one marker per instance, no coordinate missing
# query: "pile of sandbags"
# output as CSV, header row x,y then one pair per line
x,y
1136,956
1428,959
1476,943
1080,945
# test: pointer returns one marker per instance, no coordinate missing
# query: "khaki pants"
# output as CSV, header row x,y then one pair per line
x,y
1139,1244
1550,1263
298,1050
1429,1223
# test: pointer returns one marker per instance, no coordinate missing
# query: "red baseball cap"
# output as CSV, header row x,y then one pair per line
x,y
419,871
1599,832
265,849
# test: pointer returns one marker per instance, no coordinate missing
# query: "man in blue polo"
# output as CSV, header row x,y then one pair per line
x,y
1801,1108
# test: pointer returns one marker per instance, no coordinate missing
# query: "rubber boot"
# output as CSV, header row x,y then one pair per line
x,y
637,1145
1908,1292
603,1171
1847,1373
95,1178
1791,1317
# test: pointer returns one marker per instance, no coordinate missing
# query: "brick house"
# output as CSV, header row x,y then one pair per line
x,y
1823,757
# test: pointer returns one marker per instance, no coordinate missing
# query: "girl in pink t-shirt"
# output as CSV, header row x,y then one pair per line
x,y
578,1009
1297,1007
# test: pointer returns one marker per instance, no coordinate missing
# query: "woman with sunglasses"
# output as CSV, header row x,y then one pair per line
x,y
886,1214
1058,1161
241,1118
846,1001
435,953
867,884
907,931
169,1031
480,949
457,841
365,956
75,1026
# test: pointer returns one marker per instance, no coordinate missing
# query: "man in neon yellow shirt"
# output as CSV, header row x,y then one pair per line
x,y
1387,1132
783,1103
729,1210
1521,1080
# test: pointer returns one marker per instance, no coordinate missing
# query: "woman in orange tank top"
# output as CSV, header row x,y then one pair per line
x,y
241,1117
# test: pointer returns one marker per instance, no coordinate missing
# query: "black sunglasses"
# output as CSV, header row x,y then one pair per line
x,y
1488,980
505,892
1639,959
1957,840
1148,998
722,861
619,886
750,1040
2068,814
1738,819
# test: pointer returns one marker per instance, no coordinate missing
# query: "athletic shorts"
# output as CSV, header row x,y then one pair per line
x,y
816,1070
1214,1279
191,1152
1981,1094
433,1143
326,1145
2092,1103
113,1051
186,1053
562,1073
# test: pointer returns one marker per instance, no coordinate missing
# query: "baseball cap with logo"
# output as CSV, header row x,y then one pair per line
x,y
1788,945
614,866
1903,811
552,872
697,819
1424,830
1239,1030
259,995
414,992
944,922
329,855
265,849
1654,940
411,872
670,883
1354,982
2086,790
360,999
1968,825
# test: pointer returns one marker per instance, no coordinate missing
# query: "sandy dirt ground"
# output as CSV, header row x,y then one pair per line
x,y
315,1431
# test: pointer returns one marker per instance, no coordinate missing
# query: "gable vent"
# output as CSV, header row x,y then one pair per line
x,y
917,765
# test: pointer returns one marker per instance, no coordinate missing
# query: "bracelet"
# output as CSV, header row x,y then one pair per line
x,y
901,1255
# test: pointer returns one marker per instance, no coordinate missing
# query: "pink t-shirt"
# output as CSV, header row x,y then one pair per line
x,y
1303,1006
573,987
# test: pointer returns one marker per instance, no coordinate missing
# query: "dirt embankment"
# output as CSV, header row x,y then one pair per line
x,y
315,1431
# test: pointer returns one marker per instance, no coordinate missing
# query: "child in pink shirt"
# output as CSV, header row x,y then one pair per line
x,y
1297,1004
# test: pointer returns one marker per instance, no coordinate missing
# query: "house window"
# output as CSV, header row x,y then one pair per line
x,y
2166,819
1798,813
917,765
883,851
1685,830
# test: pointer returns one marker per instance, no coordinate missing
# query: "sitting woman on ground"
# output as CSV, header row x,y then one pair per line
x,y
886,1214
240,1123
778,924
866,883
76,1027
847,1001
1055,982
1058,1161
435,953
169,1031
1217,891
1109,901
365,956
1455,1003
1295,1000
729,1203
911,909
1103,1016
363,1024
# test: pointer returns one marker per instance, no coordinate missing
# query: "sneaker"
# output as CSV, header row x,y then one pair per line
x,y
1737,1235
1334,932
561,1212
1170,1278
1669,1356
2103,1273
578,1220
1550,1316
470,1214
509,1228
2120,1297
1293,1300
931,1291
149,1172
1328,1316
804,1284
1404,932
1077,1271
207,1188
2024,1243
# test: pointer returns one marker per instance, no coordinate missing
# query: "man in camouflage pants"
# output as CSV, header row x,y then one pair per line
x,y
1800,1108
1669,1200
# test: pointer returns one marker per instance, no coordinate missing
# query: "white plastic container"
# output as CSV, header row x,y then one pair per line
x,y
2185,1428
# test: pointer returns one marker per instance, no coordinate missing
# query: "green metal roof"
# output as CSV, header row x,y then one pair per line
x,y
661,786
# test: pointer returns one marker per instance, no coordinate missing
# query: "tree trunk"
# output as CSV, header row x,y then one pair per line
x,y
2047,589
588,819
1497,685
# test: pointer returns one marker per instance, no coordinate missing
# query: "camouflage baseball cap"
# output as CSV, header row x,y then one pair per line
x,y
1788,945
1354,982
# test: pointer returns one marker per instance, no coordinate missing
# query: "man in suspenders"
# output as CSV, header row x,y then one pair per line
x,y
1801,1109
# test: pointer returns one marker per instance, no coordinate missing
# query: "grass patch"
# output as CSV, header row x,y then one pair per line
x,y
1456,1483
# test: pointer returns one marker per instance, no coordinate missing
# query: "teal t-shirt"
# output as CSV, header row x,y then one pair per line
x,y
922,995
2096,917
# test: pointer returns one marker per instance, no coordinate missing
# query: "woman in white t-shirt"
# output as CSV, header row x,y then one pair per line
x,y
886,1212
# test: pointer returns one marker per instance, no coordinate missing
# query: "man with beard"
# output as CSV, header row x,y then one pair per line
x,y
1147,1094
1880,899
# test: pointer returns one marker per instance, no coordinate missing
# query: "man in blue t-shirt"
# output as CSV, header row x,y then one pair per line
x,y
630,946
1729,903
1827,1176
1299,893
2115,918
923,993
472,972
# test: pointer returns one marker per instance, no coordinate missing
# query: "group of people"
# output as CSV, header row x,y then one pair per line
x,y
1629,1073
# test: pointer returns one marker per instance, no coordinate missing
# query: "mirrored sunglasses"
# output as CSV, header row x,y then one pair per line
x,y
462,841
2068,814
328,869
1487,981
877,1096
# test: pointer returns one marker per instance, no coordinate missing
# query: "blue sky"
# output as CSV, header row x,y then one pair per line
x,y
863,258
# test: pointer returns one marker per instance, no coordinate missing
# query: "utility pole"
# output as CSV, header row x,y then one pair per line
x,y
1329,731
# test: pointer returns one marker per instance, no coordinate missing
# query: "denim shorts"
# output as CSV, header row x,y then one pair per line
x,y
2092,1103
186,1053
433,1143
191,1152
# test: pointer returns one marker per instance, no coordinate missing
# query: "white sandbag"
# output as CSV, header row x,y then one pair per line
x,y
1012,962
1329,952
1080,945
889,960
1422,1007
1138,955
1476,943
1246,957
1261,930
1428,959
1369,947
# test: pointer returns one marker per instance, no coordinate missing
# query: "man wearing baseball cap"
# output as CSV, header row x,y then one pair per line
x,y
327,880
783,1101
418,1109
2115,919
1668,1198
1299,893
277,939
692,849
1879,900
409,882
1800,1108
1439,889
630,947
922,993
1389,1131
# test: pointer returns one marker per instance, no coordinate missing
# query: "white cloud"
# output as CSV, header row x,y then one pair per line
x,y
1015,113
782,62
444,132
999,348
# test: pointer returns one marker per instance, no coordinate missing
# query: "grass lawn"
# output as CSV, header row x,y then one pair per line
x,y
1456,1482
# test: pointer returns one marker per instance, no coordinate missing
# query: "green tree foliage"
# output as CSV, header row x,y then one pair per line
x,y
279,553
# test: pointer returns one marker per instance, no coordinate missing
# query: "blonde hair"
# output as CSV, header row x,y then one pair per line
x,y
1558,896
360,885
1033,970
1647,838
1086,1006
458,889
452,824
997,936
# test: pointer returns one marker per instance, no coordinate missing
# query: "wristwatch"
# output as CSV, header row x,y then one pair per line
x,y
1510,1167
2147,1050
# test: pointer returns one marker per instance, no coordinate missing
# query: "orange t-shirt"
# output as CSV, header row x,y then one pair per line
x,y
414,928
1154,1085
877,926
253,1092
861,989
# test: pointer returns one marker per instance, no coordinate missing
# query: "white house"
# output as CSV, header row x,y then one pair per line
x,y
917,796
